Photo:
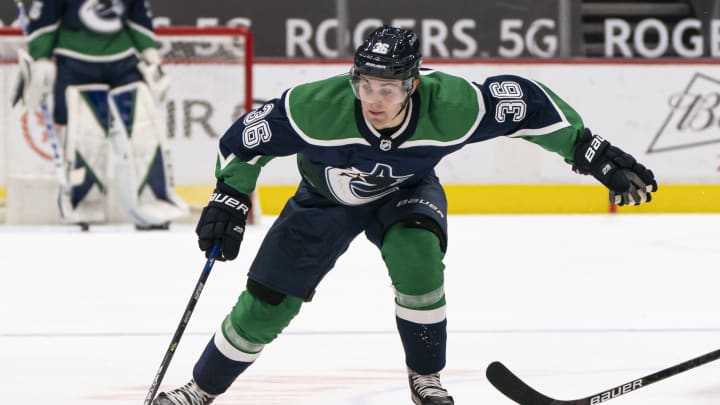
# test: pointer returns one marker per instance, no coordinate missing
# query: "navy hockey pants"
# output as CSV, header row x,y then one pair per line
x,y
312,232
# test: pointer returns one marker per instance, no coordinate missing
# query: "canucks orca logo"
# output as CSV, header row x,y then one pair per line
x,y
354,187
103,16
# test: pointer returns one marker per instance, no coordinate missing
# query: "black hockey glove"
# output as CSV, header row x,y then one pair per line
x,y
223,219
630,183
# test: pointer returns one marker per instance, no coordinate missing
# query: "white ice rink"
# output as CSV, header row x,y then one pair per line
x,y
573,304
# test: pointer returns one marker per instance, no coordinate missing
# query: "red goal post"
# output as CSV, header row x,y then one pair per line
x,y
211,85
242,37
175,55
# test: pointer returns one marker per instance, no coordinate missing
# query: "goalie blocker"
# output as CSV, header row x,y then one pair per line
x,y
137,153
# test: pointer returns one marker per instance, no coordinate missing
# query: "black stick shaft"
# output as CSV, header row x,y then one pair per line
x,y
181,327
652,378
514,388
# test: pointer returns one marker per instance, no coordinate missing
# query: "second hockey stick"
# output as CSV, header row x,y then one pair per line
x,y
183,323
58,161
516,389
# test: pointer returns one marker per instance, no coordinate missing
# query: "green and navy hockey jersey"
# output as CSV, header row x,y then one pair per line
x,y
351,163
89,30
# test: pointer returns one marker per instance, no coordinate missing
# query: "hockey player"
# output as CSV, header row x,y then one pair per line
x,y
99,58
366,145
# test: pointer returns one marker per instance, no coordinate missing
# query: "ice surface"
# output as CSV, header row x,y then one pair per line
x,y
574,304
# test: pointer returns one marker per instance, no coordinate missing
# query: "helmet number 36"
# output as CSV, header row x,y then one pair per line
x,y
257,130
511,103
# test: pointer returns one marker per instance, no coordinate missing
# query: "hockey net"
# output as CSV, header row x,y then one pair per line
x,y
210,69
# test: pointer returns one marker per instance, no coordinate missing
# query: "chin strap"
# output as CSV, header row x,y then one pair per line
x,y
409,89
404,106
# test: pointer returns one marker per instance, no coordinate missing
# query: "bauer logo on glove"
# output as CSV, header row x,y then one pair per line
x,y
629,182
230,202
223,219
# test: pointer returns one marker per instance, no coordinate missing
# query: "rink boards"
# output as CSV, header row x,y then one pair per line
x,y
666,114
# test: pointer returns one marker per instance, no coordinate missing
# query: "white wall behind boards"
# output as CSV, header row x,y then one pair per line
x,y
667,115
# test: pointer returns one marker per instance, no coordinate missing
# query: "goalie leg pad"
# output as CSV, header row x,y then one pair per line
x,y
143,173
85,154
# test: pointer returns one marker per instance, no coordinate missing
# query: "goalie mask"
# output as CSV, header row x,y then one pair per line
x,y
387,53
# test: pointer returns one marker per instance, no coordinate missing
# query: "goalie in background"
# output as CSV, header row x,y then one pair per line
x,y
99,59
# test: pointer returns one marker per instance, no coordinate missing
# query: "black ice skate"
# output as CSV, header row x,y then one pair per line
x,y
188,394
427,390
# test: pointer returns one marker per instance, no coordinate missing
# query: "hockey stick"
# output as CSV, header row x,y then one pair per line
x,y
183,323
45,111
516,389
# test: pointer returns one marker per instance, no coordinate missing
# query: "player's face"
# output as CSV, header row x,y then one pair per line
x,y
382,100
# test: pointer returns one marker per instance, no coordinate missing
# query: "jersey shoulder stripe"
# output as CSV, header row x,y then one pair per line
x,y
323,112
451,109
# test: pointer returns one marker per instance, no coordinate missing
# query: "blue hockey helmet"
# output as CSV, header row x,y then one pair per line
x,y
389,53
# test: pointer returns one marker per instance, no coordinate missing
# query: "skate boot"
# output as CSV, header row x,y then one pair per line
x,y
427,390
188,394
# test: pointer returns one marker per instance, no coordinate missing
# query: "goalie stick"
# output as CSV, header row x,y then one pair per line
x,y
516,389
183,323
